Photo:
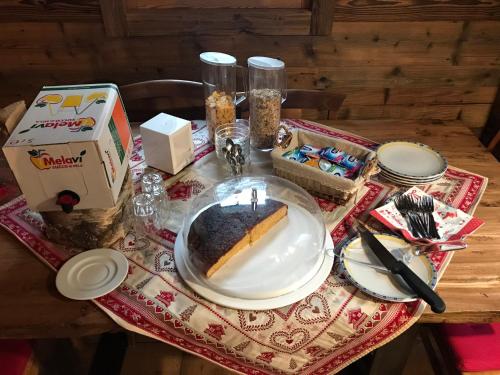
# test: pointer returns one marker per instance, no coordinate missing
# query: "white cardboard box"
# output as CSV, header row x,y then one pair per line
x,y
74,138
167,142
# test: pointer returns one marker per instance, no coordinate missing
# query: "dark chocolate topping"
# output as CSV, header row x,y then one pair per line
x,y
217,229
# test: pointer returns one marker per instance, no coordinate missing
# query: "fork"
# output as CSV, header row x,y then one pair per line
x,y
418,215
403,204
427,207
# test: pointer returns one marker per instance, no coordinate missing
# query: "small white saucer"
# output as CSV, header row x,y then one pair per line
x,y
92,274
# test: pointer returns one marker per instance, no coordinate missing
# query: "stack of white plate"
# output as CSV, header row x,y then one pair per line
x,y
409,163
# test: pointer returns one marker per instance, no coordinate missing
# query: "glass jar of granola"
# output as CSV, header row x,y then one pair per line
x,y
267,91
219,74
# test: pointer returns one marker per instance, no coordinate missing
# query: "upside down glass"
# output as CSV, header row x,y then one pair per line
x,y
152,183
145,214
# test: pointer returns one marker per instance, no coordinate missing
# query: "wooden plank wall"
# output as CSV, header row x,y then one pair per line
x,y
407,59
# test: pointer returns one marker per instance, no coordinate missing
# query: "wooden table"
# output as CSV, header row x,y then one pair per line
x,y
30,306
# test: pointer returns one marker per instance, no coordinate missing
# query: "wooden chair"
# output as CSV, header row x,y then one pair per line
x,y
16,358
322,101
494,142
458,349
491,131
144,100
323,104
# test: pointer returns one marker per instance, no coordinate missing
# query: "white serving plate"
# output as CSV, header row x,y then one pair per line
x,y
284,259
411,160
202,288
384,285
92,274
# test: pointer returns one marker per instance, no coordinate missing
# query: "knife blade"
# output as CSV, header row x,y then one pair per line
x,y
399,268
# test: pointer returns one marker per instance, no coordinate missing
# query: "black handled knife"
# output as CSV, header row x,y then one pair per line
x,y
399,268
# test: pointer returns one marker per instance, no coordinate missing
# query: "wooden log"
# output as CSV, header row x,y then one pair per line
x,y
82,10
322,17
218,21
440,95
416,10
113,16
167,4
11,115
91,228
422,43
395,76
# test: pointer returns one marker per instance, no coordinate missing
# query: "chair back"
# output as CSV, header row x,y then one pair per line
x,y
144,100
321,104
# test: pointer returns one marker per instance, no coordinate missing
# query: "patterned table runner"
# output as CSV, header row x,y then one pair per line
x,y
323,333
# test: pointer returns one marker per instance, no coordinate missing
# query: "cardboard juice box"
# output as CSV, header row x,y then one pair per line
x,y
71,148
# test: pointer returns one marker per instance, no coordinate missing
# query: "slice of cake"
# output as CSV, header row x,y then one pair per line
x,y
220,232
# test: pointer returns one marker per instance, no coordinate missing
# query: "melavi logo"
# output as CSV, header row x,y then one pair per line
x,y
82,124
43,160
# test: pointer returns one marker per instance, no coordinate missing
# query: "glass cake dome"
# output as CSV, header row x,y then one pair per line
x,y
254,237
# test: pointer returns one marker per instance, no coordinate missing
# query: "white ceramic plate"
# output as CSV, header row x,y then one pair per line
x,y
407,182
380,284
210,294
284,259
92,274
423,179
413,160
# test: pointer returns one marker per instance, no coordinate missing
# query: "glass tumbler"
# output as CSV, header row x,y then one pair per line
x,y
232,146
145,214
152,183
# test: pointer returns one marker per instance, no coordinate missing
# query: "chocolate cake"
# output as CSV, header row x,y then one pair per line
x,y
220,232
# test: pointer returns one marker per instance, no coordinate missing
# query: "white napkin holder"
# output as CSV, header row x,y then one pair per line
x,y
167,142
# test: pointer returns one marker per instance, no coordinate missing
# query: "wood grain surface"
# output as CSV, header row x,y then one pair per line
x,y
412,49
224,21
31,307
49,10
413,10
322,17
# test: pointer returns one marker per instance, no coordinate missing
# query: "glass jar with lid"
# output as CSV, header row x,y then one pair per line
x,y
219,75
267,91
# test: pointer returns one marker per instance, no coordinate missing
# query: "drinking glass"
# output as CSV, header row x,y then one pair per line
x,y
152,183
232,146
145,213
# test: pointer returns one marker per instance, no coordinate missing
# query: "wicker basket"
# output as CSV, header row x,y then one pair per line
x,y
325,185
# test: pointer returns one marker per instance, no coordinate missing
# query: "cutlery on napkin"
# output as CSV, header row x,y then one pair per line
x,y
452,224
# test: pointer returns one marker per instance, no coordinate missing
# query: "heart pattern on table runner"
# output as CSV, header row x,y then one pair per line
x,y
255,320
164,262
132,243
314,310
287,311
290,341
